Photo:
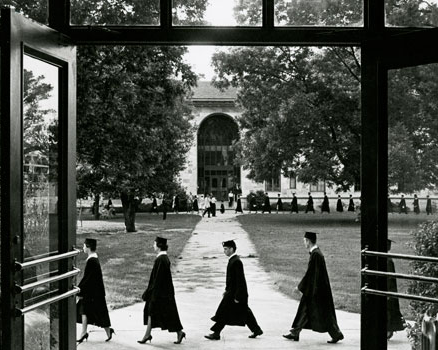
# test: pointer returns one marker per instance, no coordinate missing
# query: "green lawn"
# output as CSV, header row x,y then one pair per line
x,y
279,243
127,258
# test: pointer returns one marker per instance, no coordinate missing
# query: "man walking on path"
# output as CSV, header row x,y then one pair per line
x,y
316,310
233,309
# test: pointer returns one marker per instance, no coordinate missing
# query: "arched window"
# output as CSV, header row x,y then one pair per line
x,y
217,172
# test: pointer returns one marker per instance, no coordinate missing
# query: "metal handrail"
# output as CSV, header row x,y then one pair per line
x,y
21,289
21,266
21,312
367,252
365,271
366,290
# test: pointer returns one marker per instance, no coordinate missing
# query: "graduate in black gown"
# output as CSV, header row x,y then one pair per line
x,y
416,205
402,205
154,205
195,204
294,204
316,310
233,310
266,204
309,206
279,204
91,307
339,205
428,206
351,204
395,320
160,308
222,209
238,205
325,207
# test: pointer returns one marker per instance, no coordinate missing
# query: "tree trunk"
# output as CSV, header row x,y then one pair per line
x,y
96,206
129,206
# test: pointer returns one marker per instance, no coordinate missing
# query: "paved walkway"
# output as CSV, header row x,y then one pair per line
x,y
199,279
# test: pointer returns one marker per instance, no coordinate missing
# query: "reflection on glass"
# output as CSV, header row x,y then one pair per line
x,y
319,13
217,12
413,195
411,13
115,12
40,157
41,330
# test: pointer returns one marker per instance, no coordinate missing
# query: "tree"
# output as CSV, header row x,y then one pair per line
x,y
302,105
133,125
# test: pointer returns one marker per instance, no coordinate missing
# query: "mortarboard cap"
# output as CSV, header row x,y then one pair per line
x,y
91,243
230,244
161,240
310,235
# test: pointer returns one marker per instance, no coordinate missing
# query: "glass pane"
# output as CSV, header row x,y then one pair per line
x,y
40,157
413,192
348,13
115,12
217,12
41,326
411,13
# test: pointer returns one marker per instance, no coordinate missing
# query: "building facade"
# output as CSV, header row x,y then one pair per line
x,y
210,162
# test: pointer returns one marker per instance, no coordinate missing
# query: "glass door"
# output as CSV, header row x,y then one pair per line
x,y
38,186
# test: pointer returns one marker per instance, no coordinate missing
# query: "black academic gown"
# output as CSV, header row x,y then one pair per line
x,y
429,206
339,206
316,310
222,208
239,206
154,206
310,205
267,205
93,303
229,312
402,206
294,205
160,297
416,206
351,205
394,316
195,205
325,205
279,205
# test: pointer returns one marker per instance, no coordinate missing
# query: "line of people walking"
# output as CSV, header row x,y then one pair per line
x,y
316,309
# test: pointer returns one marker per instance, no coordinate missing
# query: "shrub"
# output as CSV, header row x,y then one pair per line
x,y
425,243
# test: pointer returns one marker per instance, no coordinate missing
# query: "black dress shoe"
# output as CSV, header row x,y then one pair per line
x,y
212,336
335,340
255,334
290,336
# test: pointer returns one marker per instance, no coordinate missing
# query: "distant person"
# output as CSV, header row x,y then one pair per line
x,y
279,204
233,309
164,207
351,204
213,205
154,208
195,204
402,205
294,204
206,205
309,206
222,210
190,203
339,205
325,207
266,204
239,205
160,309
230,199
252,203
175,205
316,310
416,205
395,320
428,205
91,308
390,205
110,208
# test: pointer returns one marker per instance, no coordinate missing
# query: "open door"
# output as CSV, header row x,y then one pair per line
x,y
38,199
393,68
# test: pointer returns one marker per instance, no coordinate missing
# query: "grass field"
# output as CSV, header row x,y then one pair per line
x,y
127,258
279,243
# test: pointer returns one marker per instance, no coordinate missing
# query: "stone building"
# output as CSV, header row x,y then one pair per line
x,y
210,166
